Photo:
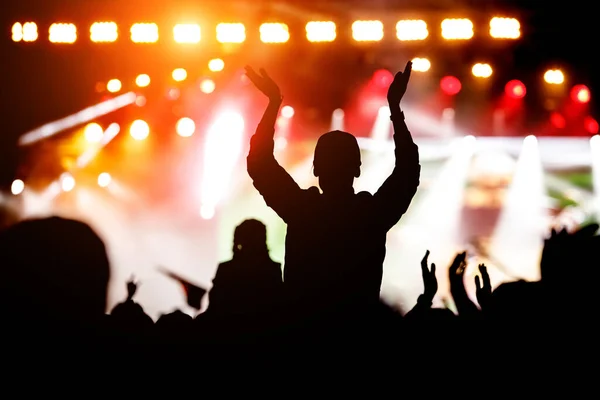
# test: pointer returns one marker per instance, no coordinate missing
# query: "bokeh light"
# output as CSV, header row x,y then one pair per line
x,y
515,89
104,179
450,85
93,132
580,94
139,129
185,127
207,86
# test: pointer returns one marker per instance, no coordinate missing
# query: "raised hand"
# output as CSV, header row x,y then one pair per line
x,y
131,288
483,291
264,83
399,84
430,283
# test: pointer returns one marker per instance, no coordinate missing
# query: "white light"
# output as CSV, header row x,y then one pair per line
x,y
67,182
287,112
530,140
338,113
186,127
104,179
17,187
207,212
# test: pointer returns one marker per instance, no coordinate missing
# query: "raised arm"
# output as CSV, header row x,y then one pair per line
x,y
396,193
277,187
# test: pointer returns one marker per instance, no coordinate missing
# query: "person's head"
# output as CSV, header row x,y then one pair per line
x,y
54,266
250,238
337,161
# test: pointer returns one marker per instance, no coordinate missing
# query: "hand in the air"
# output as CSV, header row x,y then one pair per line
x,y
264,83
430,282
131,288
483,291
398,87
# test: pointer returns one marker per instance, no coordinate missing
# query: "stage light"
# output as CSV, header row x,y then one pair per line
x,y
505,28
67,182
554,77
173,94
17,187
179,75
185,127
187,33
591,125
457,29
113,86
93,133
383,78
415,29
287,112
216,65
144,33
367,31
274,33
62,33
421,64
103,32
142,80
104,179
140,101
515,89
580,94
557,120
139,129
481,70
450,85
231,33
27,32
321,31
207,86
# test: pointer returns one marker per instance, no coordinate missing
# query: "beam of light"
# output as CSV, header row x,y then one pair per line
x,y
282,128
595,147
222,149
81,117
448,122
108,135
517,239
499,122
382,128
337,120
434,222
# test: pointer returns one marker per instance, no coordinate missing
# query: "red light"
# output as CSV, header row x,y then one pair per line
x,y
383,78
591,125
450,85
515,89
557,120
580,94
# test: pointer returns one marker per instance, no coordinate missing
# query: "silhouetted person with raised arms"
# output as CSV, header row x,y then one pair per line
x,y
335,244
248,286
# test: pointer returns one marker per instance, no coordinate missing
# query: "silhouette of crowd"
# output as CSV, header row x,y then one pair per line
x,y
322,306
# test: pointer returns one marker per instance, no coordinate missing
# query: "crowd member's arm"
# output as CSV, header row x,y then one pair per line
x,y
430,287
396,193
278,188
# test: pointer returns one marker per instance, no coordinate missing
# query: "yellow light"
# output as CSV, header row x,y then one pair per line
x,y
113,86
505,28
142,80
231,33
62,33
207,86
93,132
104,32
187,33
26,32
421,64
367,31
185,127
415,29
274,33
457,29
216,65
321,31
17,187
67,182
481,70
554,77
144,33
17,32
179,74
139,129
104,179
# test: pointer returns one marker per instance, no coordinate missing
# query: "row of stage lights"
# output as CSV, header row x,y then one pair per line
x,y
271,32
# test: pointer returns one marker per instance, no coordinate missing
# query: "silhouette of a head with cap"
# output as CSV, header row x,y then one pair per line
x,y
250,239
336,162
